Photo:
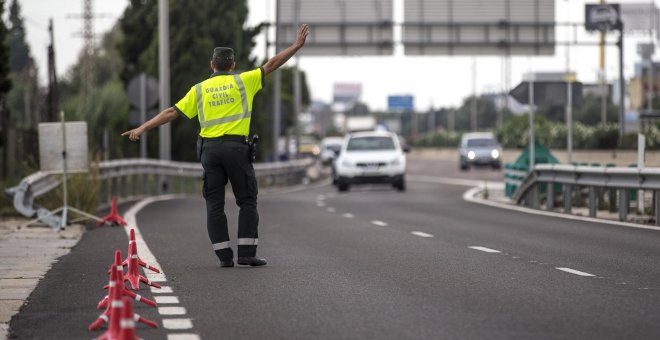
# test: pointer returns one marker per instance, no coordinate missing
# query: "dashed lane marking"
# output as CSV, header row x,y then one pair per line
x,y
379,223
166,299
348,215
171,311
177,323
331,210
421,234
183,337
162,290
573,271
484,249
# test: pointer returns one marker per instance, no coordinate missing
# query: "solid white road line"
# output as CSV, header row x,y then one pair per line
x,y
143,250
348,215
177,323
484,249
166,299
576,272
379,223
421,234
183,336
171,310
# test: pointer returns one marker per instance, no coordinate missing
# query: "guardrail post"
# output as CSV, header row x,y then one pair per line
x,y
623,204
550,196
593,202
533,197
656,206
122,186
611,200
568,198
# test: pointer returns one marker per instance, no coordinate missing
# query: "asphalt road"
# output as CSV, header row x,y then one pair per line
x,y
374,263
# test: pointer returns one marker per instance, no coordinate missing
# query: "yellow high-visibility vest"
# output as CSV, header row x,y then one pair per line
x,y
223,103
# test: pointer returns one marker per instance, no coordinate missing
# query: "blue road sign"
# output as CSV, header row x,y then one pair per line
x,y
400,103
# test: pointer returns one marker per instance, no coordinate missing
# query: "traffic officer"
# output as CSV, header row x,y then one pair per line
x,y
223,105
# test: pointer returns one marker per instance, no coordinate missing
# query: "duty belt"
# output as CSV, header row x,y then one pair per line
x,y
229,138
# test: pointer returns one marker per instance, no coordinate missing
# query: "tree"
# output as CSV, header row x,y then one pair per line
x,y
5,86
486,114
193,36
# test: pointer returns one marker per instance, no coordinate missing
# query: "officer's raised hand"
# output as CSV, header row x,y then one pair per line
x,y
278,60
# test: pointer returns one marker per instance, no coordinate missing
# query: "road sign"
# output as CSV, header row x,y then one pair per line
x,y
339,27
133,91
50,147
548,93
601,17
400,103
479,27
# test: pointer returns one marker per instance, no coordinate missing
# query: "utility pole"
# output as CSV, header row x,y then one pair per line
x,y
602,80
276,89
52,77
531,123
297,100
88,67
164,135
473,116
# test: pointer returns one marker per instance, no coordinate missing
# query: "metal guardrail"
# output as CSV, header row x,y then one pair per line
x,y
594,184
134,178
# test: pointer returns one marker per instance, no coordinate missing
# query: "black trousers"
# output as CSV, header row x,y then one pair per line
x,y
228,160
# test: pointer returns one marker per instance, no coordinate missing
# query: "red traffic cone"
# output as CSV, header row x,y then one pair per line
x,y
115,295
121,288
131,240
128,320
112,284
132,274
115,312
113,217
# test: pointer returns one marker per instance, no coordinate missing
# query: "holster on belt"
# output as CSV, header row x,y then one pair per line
x,y
252,143
200,144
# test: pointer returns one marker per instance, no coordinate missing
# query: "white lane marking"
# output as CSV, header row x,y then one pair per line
x,y
143,250
331,209
177,323
421,234
487,250
183,336
171,310
348,215
320,204
161,290
166,299
320,198
445,180
573,271
147,256
379,223
471,196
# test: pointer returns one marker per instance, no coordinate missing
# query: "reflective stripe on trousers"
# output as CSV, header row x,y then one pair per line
x,y
248,241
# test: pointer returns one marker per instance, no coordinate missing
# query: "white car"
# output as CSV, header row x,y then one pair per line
x,y
370,157
330,147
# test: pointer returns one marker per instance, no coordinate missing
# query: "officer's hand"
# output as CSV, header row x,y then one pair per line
x,y
133,134
303,32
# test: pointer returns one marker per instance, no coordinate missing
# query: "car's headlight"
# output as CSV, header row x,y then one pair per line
x,y
346,163
471,155
396,161
495,154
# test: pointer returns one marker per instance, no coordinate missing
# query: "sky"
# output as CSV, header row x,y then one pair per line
x,y
434,81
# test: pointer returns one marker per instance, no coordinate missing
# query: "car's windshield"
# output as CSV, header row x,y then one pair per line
x,y
333,147
481,142
370,143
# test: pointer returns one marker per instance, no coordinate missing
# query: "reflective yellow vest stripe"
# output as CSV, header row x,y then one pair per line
x,y
227,119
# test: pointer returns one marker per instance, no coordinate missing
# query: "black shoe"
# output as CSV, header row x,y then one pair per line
x,y
251,261
228,263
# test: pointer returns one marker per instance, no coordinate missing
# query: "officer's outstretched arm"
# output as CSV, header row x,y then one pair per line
x,y
163,117
279,59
